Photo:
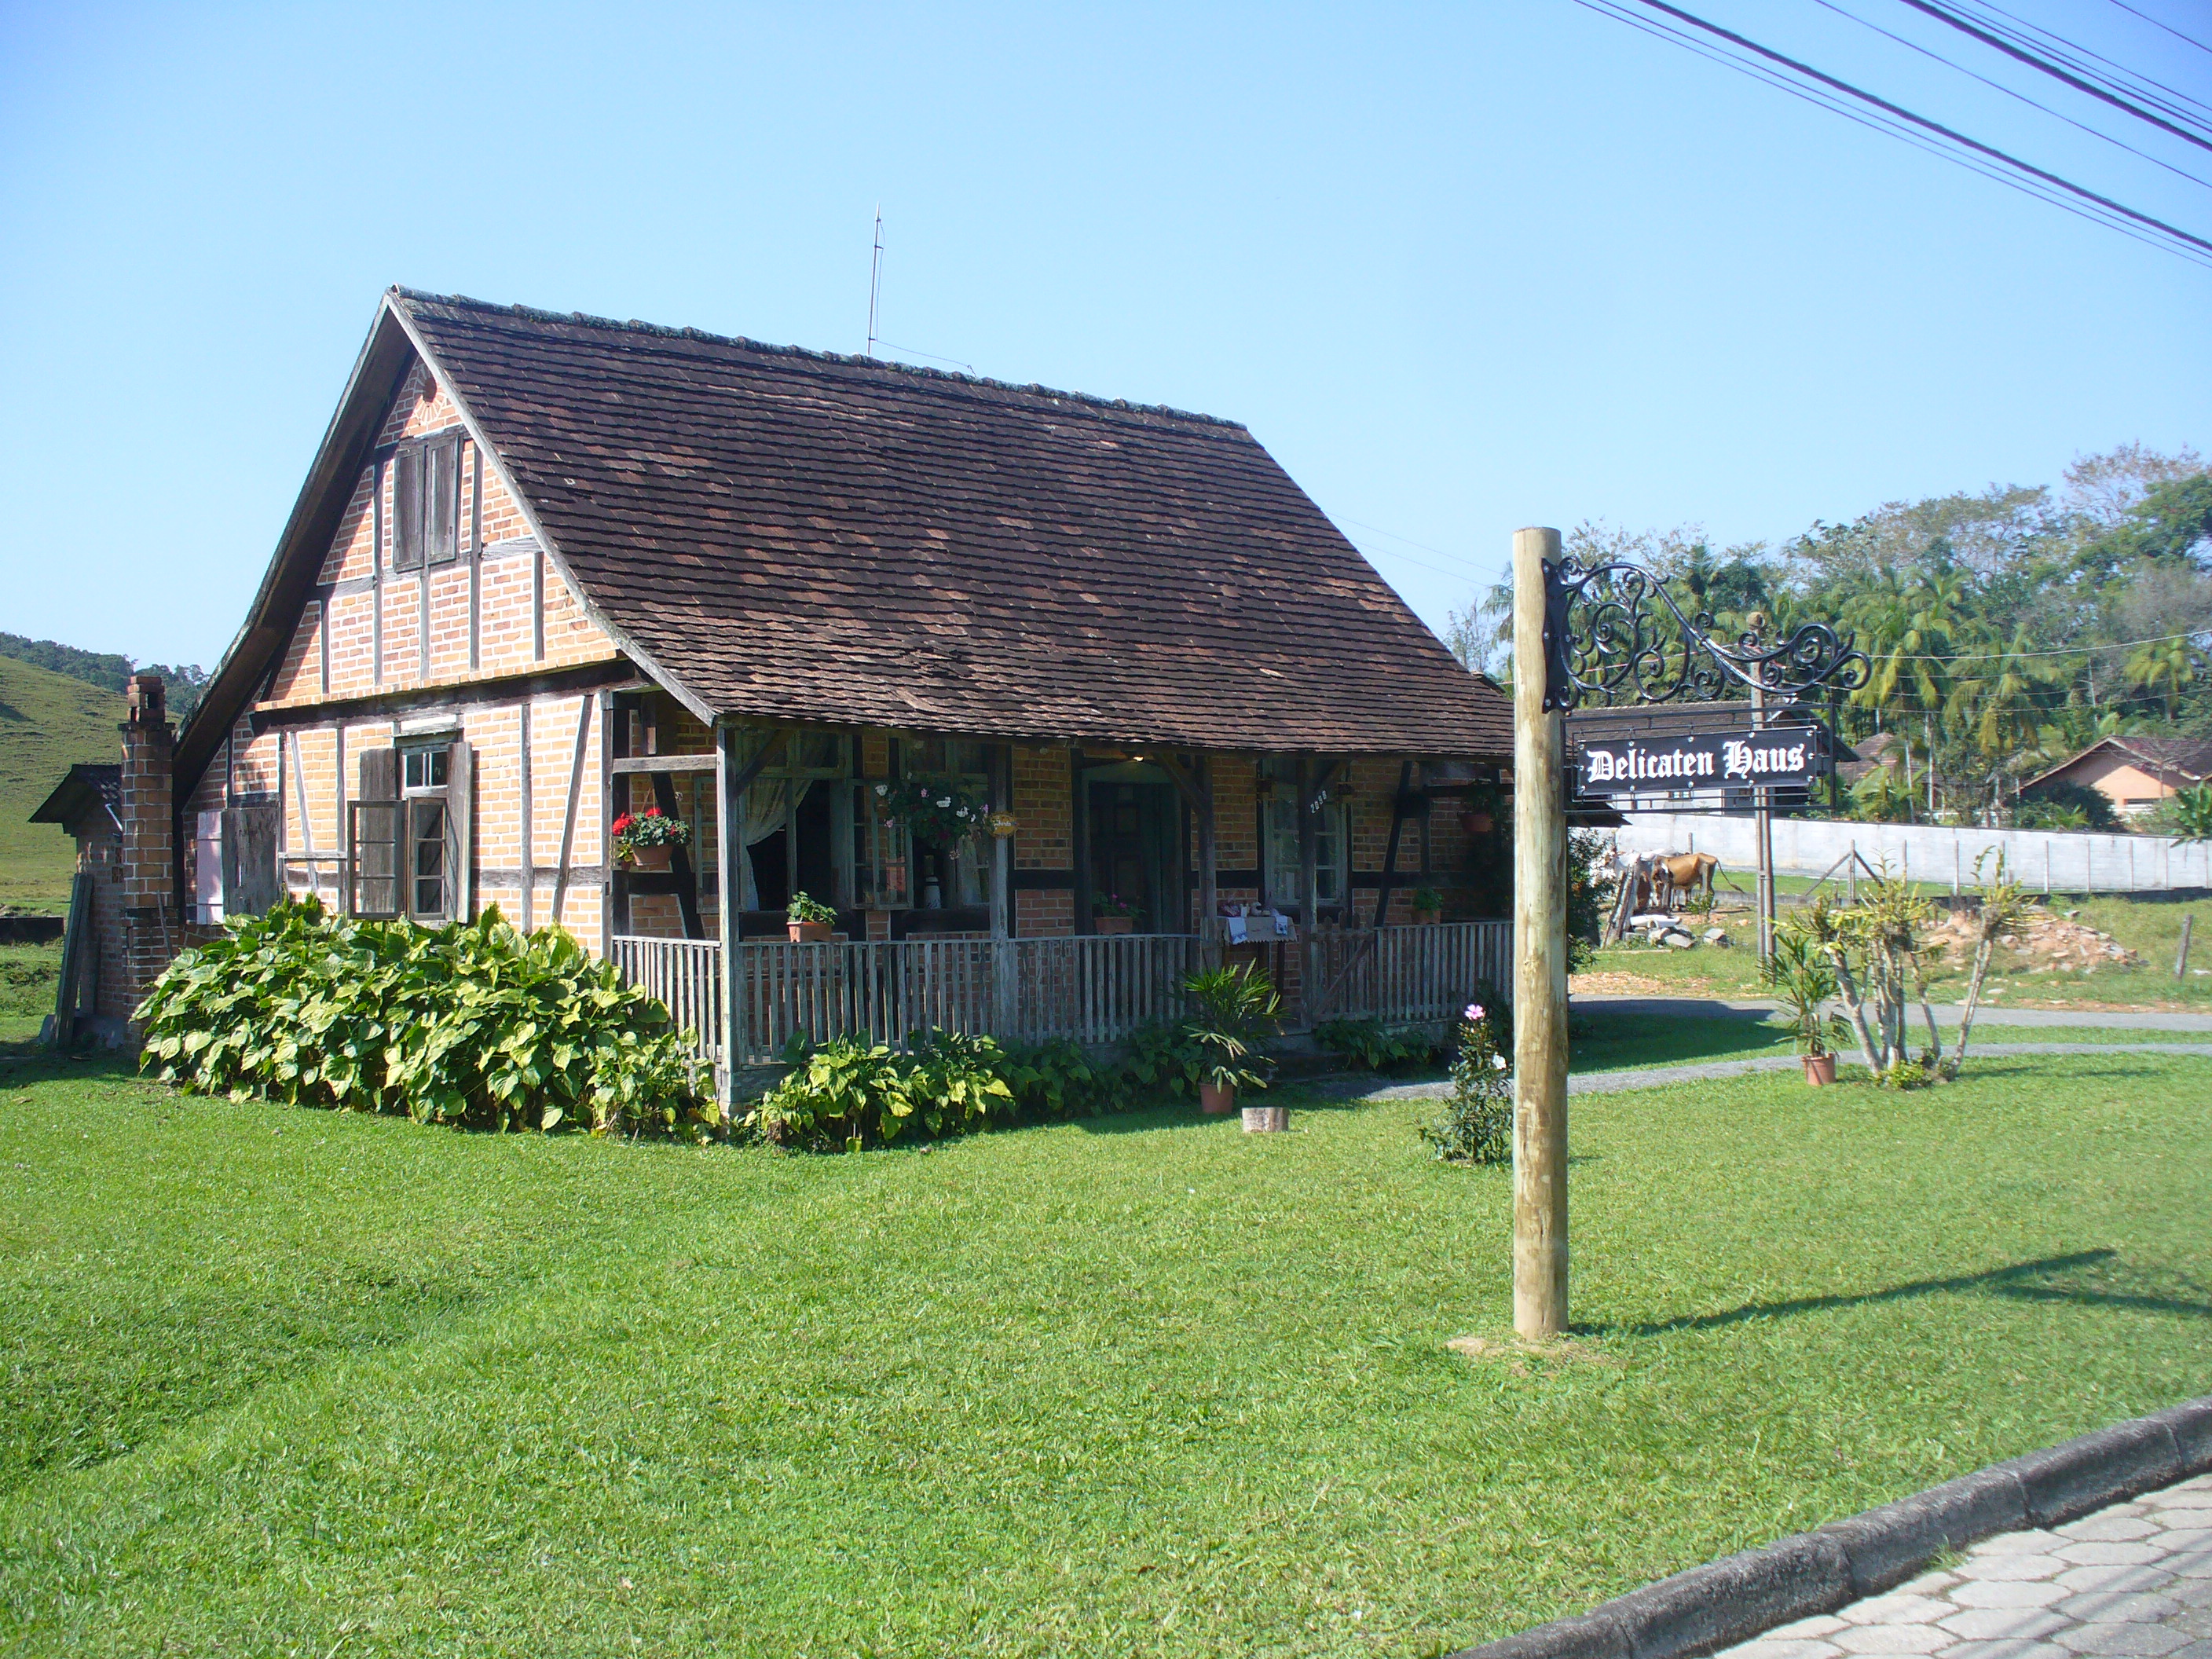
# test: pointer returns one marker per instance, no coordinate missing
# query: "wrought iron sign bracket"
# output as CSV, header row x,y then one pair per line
x,y
1612,634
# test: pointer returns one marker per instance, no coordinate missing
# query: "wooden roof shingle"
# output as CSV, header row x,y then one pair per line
x,y
793,535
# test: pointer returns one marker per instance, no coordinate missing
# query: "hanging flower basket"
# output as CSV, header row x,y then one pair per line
x,y
645,841
936,811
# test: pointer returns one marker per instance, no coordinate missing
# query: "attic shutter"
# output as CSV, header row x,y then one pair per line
x,y
460,831
442,511
372,825
407,509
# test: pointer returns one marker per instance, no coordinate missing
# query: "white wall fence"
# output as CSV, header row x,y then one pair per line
x,y
1091,989
2054,861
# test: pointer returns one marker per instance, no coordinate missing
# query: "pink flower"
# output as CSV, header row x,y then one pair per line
x,y
1474,1010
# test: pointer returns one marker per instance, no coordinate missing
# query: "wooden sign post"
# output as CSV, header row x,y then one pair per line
x,y
1539,959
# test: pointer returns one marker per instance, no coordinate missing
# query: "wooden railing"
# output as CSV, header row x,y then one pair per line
x,y
1408,975
1095,989
685,974
1091,989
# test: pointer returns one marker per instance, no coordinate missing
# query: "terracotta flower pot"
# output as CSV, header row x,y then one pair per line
x,y
809,932
1114,923
1214,1100
651,857
1426,917
1266,1120
1819,1069
1475,824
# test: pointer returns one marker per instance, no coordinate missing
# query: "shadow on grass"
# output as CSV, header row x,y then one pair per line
x,y
22,1064
2102,1280
1667,1034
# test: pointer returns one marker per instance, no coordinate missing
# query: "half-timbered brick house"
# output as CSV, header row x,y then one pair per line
x,y
546,568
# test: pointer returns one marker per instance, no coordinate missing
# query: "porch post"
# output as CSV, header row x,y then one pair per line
x,y
1539,969
1002,859
728,823
1308,891
1209,886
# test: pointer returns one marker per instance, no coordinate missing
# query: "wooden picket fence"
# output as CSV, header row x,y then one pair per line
x,y
1088,989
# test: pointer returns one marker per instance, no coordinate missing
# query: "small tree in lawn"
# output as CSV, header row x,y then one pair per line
x,y
1874,949
2002,906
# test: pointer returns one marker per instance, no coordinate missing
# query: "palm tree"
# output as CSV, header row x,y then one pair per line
x,y
2169,664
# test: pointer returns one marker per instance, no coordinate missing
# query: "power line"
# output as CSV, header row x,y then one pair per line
x,y
2031,34
1967,27
1376,529
2013,91
2191,246
1814,95
2058,651
2190,39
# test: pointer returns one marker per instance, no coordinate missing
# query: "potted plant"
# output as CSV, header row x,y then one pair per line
x,y
645,841
1233,1009
1803,981
809,920
1114,914
1428,904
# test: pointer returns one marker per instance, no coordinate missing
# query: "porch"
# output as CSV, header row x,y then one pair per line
x,y
1087,988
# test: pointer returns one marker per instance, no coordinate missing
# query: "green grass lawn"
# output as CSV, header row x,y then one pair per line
x,y
280,1381
47,721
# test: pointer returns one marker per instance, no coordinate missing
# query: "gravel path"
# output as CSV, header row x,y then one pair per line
x,y
1655,1077
2130,1582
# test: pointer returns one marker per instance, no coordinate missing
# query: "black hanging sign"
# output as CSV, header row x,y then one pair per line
x,y
1656,763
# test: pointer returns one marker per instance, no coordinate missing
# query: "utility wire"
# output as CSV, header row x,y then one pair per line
x,y
2058,651
1376,529
2010,92
2191,246
2034,35
1618,11
1967,26
2190,39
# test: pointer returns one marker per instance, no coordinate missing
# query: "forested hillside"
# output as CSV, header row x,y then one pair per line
x,y
2009,627
108,671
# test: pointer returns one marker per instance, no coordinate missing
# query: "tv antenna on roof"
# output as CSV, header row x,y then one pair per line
x,y
875,278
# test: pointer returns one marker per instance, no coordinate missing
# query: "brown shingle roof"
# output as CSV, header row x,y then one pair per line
x,y
800,536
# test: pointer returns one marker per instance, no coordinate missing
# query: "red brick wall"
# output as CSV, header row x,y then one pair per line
x,y
510,574
1044,804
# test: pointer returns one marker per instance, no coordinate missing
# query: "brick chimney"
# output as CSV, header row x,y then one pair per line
x,y
153,922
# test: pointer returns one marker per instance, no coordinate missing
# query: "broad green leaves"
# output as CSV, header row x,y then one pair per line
x,y
471,1023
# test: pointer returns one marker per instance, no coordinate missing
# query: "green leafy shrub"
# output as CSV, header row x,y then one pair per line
x,y
1372,1045
1165,1057
2066,805
471,1023
1476,1126
856,1092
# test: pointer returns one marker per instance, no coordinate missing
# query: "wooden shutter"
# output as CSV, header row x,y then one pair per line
x,y
207,867
249,861
407,509
380,774
442,507
461,833
373,836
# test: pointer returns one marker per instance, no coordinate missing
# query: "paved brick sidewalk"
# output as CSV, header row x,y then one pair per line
x,y
2130,1582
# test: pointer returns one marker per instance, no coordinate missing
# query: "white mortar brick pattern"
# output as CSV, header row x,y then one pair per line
x,y
2131,1581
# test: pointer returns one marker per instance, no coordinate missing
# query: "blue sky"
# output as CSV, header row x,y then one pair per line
x,y
1459,268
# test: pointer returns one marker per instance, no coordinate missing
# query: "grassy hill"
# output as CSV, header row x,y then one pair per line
x,y
48,722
